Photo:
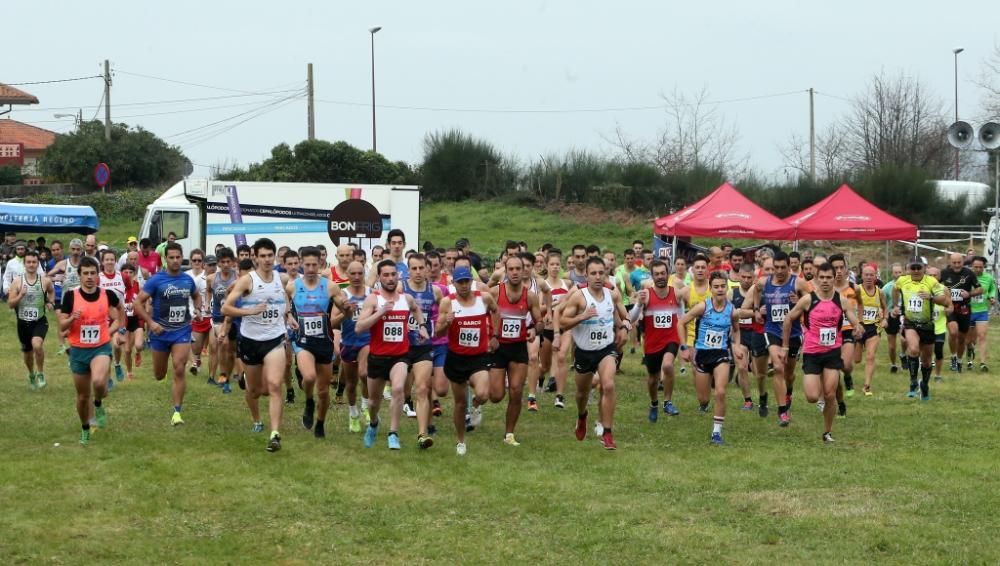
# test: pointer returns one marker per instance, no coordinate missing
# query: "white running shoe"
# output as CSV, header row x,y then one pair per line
x,y
410,413
460,449
477,417
821,404
598,429
387,393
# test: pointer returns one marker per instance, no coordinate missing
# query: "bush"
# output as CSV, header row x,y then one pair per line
x,y
11,175
123,206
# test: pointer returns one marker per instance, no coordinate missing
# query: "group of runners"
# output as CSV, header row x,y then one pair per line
x,y
412,328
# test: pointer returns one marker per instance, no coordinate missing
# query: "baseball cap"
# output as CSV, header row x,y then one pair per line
x,y
917,261
132,240
461,243
20,244
211,260
462,274
102,247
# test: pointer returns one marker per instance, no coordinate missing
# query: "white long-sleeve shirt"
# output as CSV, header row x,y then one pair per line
x,y
15,268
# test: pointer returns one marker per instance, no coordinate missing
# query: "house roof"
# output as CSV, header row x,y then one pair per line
x,y
33,138
11,95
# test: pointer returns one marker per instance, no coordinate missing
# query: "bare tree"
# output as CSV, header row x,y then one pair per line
x,y
989,81
831,154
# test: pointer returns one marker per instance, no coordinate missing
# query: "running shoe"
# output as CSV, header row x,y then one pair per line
x,y
370,435
193,369
532,405
959,366
431,429
820,405
717,439
460,449
955,365
762,410
309,413
31,381
62,351
703,409
387,393
842,410
242,381
425,441
289,396
748,405
176,419
354,424
968,365
659,386
100,417
654,412
393,441
408,411
130,376
226,388
119,373
509,440
477,417
784,419
982,368
608,441
912,394
468,424
550,387
274,444
319,429
581,428
110,384
868,391
893,368
211,380
436,410
85,436
925,397
938,379
631,350
828,438
560,402
849,393
598,429
42,384
257,427
670,409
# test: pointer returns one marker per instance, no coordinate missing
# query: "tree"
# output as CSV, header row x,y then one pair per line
x,y
11,175
320,161
137,157
831,154
989,81
458,166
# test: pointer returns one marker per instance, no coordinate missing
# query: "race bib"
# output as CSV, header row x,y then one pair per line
x,y
599,338
312,326
746,321
663,320
90,334
827,336
915,304
270,314
778,313
510,328
715,339
355,314
871,313
29,314
468,337
412,321
392,332
177,315
956,296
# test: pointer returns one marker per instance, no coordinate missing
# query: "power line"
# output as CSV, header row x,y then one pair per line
x,y
197,141
159,102
98,111
55,81
833,96
233,116
226,89
556,110
172,112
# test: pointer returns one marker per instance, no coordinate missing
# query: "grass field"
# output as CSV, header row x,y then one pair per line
x,y
906,482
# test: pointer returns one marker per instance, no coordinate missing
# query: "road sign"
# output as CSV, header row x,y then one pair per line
x,y
102,175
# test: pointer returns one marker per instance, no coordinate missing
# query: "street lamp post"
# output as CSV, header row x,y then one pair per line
x,y
373,31
956,51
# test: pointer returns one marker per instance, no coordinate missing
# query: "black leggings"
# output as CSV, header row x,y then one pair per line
x,y
939,351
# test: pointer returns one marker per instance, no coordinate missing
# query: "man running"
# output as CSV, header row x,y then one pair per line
x,y
354,345
509,364
261,343
421,354
873,319
658,305
169,324
31,294
549,354
914,296
90,316
755,355
964,286
980,311
465,316
113,279
223,346
135,339
847,291
68,271
595,316
822,313
892,326
201,328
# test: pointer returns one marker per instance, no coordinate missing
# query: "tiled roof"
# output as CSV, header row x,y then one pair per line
x,y
11,95
33,138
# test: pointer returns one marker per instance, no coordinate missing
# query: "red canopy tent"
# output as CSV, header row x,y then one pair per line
x,y
846,215
725,213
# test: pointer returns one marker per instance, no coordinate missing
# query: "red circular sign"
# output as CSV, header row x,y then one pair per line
x,y
102,174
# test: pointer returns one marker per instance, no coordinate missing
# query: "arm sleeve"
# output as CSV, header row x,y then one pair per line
x,y
67,303
112,298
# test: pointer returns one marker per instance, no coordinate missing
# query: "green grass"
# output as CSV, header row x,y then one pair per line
x,y
907,482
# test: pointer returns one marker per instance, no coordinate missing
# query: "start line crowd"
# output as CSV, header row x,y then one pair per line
x,y
411,327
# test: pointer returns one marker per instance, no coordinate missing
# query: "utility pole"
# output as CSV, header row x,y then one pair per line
x,y
107,101
812,136
312,106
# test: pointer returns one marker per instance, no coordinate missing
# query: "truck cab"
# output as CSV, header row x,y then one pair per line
x,y
173,212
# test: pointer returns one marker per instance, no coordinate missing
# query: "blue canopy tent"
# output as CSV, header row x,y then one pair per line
x,y
47,218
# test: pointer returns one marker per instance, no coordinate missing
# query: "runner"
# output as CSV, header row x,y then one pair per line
x,y
90,315
940,330
623,279
755,350
657,303
262,336
421,352
696,292
578,273
537,285
718,329
441,385
312,297
465,316
847,291
980,317
222,347
112,279
509,363
68,271
148,259
773,295
893,324
549,354
963,285
31,295
135,340
386,314
595,316
202,326
170,322
290,272
354,345
822,313
916,293
873,319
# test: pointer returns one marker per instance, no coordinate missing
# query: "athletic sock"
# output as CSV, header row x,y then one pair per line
x,y
914,364
925,386
782,409
788,390
177,408
763,398
531,396
341,385
748,400
582,416
704,406
717,424
353,409
848,380
607,430
654,403
85,426
97,402
393,433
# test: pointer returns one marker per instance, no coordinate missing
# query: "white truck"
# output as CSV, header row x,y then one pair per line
x,y
205,213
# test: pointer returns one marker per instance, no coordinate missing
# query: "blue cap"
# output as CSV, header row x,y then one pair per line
x,y
462,274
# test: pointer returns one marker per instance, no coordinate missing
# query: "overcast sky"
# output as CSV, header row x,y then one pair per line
x,y
555,55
